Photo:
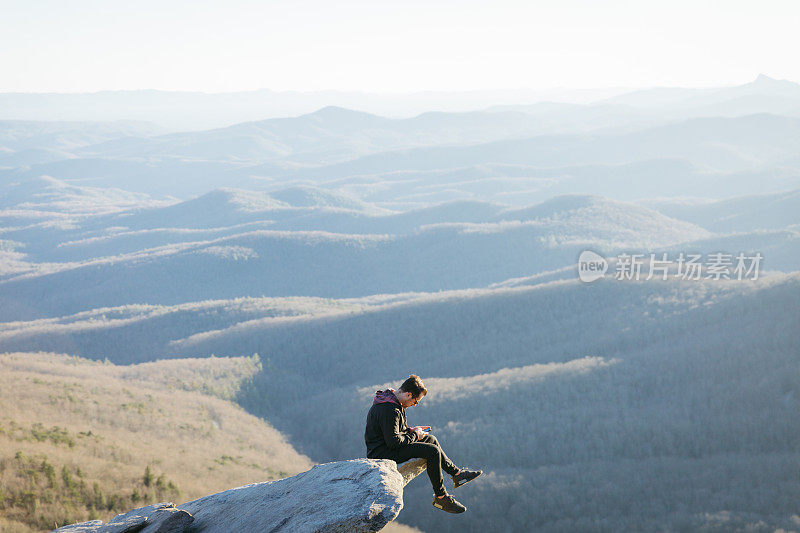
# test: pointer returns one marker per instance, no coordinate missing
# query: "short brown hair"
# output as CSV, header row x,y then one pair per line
x,y
415,386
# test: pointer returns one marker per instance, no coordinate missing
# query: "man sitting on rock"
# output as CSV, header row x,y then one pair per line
x,y
388,437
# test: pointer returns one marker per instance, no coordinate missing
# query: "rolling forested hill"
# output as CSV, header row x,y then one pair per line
x,y
81,440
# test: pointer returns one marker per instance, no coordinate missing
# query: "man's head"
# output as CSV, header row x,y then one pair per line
x,y
411,391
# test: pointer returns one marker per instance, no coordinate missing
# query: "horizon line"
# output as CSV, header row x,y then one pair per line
x,y
760,76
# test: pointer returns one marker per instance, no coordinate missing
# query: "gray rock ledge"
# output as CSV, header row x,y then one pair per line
x,y
361,495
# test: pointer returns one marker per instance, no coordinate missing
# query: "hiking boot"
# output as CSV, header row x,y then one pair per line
x,y
448,503
465,476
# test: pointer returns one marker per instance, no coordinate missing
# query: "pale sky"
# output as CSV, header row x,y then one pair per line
x,y
397,46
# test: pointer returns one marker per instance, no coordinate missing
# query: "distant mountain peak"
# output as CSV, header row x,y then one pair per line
x,y
558,204
334,111
342,116
763,78
238,199
309,196
765,82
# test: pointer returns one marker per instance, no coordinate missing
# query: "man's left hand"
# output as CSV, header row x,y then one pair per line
x,y
419,431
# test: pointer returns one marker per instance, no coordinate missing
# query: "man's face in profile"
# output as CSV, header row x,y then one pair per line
x,y
407,399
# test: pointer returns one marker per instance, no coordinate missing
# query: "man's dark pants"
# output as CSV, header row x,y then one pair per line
x,y
427,448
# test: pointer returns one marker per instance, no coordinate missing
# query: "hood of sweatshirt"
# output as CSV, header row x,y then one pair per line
x,y
385,396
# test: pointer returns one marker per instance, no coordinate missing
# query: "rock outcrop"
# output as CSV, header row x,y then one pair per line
x,y
357,495
156,518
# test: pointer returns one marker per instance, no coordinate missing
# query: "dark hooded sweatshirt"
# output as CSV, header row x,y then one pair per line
x,y
386,425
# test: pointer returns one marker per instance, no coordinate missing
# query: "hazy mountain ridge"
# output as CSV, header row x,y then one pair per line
x,y
31,156
744,213
318,263
45,196
492,307
136,333
727,144
329,133
184,110
522,185
145,223
346,147
159,178
64,135
763,91
225,211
